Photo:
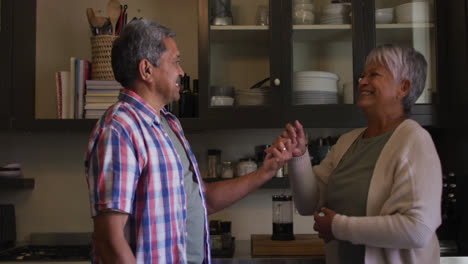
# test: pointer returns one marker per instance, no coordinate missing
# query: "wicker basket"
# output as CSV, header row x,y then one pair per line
x,y
101,47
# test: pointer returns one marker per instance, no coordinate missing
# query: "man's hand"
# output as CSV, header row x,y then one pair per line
x,y
323,224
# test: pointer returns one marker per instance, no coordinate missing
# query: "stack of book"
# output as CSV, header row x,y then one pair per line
x,y
99,96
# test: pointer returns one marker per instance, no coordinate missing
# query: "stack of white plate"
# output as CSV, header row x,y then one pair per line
x,y
315,87
257,96
414,12
336,14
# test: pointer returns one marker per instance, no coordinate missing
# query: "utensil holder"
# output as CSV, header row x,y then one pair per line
x,y
101,48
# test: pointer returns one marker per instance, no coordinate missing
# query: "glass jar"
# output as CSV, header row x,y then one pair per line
x,y
246,166
228,171
214,162
303,12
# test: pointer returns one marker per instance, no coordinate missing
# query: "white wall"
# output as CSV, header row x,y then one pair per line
x,y
59,201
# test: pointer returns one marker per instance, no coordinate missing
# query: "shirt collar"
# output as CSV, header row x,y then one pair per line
x,y
148,113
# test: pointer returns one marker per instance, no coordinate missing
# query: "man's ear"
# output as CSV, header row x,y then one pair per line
x,y
145,70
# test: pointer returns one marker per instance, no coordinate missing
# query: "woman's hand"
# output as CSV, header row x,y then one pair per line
x,y
323,224
277,155
297,136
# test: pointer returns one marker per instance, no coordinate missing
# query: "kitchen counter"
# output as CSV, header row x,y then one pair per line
x,y
242,255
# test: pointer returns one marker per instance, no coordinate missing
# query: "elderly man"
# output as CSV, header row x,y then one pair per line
x,y
148,201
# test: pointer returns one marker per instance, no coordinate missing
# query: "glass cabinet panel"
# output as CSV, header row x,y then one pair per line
x,y
239,54
322,53
410,23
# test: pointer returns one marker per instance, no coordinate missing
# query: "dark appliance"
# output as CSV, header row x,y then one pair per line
x,y
7,226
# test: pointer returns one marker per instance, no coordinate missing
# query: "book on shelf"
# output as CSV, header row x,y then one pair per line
x,y
82,74
62,83
70,99
101,98
102,106
103,84
102,92
94,113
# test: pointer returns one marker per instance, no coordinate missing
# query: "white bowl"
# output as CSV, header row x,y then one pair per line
x,y
335,9
385,10
222,101
383,17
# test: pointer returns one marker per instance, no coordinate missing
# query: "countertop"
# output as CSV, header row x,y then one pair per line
x,y
242,255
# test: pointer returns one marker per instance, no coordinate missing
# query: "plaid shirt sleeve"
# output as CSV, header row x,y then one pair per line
x,y
113,172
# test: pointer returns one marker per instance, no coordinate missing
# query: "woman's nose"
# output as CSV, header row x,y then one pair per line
x,y
181,71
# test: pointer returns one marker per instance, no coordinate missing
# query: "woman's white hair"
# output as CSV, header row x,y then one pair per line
x,y
405,63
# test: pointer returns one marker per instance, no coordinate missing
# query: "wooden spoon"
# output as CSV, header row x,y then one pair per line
x,y
113,10
91,17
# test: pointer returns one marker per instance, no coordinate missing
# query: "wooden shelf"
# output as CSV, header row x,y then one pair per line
x,y
274,183
249,34
13,183
324,33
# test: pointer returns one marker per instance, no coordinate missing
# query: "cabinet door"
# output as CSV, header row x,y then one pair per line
x,y
237,41
412,23
321,73
5,64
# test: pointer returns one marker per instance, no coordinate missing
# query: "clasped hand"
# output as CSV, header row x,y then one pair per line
x,y
291,143
323,224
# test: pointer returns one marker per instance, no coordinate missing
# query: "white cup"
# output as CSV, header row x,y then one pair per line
x,y
262,17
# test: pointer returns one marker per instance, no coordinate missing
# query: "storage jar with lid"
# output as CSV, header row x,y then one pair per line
x,y
246,166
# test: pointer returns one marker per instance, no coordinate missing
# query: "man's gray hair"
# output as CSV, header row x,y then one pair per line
x,y
405,63
140,39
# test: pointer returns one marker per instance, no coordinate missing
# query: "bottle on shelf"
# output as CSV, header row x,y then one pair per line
x,y
195,98
186,98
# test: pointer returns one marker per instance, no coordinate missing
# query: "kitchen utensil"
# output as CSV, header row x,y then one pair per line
x,y
91,17
260,83
113,11
94,20
282,217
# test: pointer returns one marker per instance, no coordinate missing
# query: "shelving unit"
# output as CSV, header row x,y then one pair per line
x,y
274,183
13,183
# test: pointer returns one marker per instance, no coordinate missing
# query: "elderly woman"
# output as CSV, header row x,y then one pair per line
x,y
378,191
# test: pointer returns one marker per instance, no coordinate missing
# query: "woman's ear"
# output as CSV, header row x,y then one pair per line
x,y
404,88
145,70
